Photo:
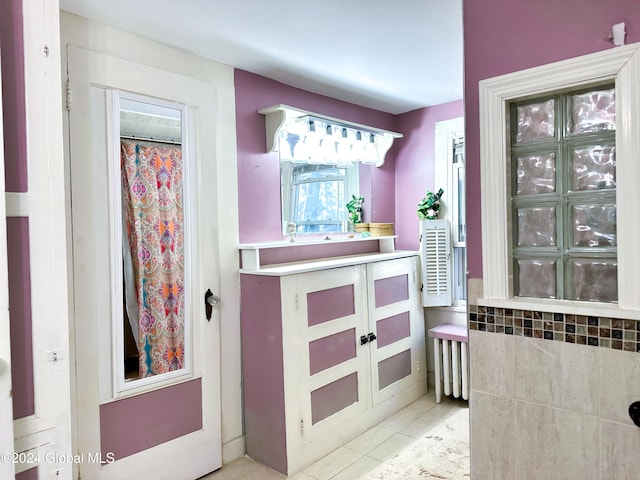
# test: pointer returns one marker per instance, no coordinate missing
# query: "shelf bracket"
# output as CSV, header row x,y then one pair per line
x,y
277,117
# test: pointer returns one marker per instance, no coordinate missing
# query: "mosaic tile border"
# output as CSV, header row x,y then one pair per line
x,y
602,332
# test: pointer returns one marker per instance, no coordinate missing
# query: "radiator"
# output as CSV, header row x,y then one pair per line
x,y
450,356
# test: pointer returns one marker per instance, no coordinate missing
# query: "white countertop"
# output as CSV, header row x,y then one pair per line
x,y
291,268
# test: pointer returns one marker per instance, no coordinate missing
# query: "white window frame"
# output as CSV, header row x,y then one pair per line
x,y
446,131
620,65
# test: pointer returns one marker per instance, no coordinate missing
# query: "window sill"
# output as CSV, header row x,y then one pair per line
x,y
451,308
561,306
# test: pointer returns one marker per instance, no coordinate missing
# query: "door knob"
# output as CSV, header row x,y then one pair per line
x,y
371,337
363,339
634,413
210,301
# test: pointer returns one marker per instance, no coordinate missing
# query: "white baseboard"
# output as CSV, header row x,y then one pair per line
x,y
233,449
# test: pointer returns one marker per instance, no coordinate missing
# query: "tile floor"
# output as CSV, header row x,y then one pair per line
x,y
362,454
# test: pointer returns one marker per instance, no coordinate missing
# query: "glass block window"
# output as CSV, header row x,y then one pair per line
x,y
563,196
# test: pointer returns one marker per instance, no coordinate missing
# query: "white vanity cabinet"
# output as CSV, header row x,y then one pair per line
x,y
328,352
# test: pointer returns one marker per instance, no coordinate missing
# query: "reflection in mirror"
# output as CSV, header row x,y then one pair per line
x,y
319,167
314,197
153,238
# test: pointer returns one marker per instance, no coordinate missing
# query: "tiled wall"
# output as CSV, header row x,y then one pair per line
x,y
603,332
550,395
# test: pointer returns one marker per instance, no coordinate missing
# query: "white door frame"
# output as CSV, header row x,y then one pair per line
x,y
46,434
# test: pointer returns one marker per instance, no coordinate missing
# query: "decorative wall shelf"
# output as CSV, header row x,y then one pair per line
x,y
278,116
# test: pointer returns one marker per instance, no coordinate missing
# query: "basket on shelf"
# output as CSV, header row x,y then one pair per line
x,y
361,227
381,229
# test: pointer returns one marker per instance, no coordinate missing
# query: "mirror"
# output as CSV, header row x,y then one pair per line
x,y
320,166
152,219
314,196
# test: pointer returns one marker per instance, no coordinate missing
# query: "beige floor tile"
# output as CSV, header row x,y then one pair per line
x,y
302,476
400,419
423,404
264,473
366,454
236,470
391,447
359,468
333,463
370,439
448,406
422,425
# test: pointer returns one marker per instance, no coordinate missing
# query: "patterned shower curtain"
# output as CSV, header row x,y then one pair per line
x,y
152,190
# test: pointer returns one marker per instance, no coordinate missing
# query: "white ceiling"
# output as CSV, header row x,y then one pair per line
x,y
391,55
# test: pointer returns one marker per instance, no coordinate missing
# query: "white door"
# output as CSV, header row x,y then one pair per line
x,y
157,416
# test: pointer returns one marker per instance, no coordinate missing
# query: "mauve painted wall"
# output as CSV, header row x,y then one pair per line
x,y
20,317
270,256
31,474
13,95
131,425
259,172
503,36
415,166
15,158
263,370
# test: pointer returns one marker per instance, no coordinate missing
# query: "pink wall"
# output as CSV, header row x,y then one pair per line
x,y
415,164
502,36
263,370
134,424
15,158
20,317
259,172
31,474
15,140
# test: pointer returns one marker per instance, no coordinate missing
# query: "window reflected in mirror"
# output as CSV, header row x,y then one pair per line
x,y
319,166
314,197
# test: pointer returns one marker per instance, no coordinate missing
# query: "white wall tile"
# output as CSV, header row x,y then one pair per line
x,y
492,362
619,384
474,290
557,374
620,445
493,435
555,444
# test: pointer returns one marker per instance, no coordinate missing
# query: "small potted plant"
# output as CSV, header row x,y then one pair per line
x,y
354,207
429,206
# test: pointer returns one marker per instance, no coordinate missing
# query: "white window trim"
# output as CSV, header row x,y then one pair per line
x,y
621,65
445,132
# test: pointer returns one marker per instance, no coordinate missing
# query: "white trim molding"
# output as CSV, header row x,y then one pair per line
x,y
620,65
